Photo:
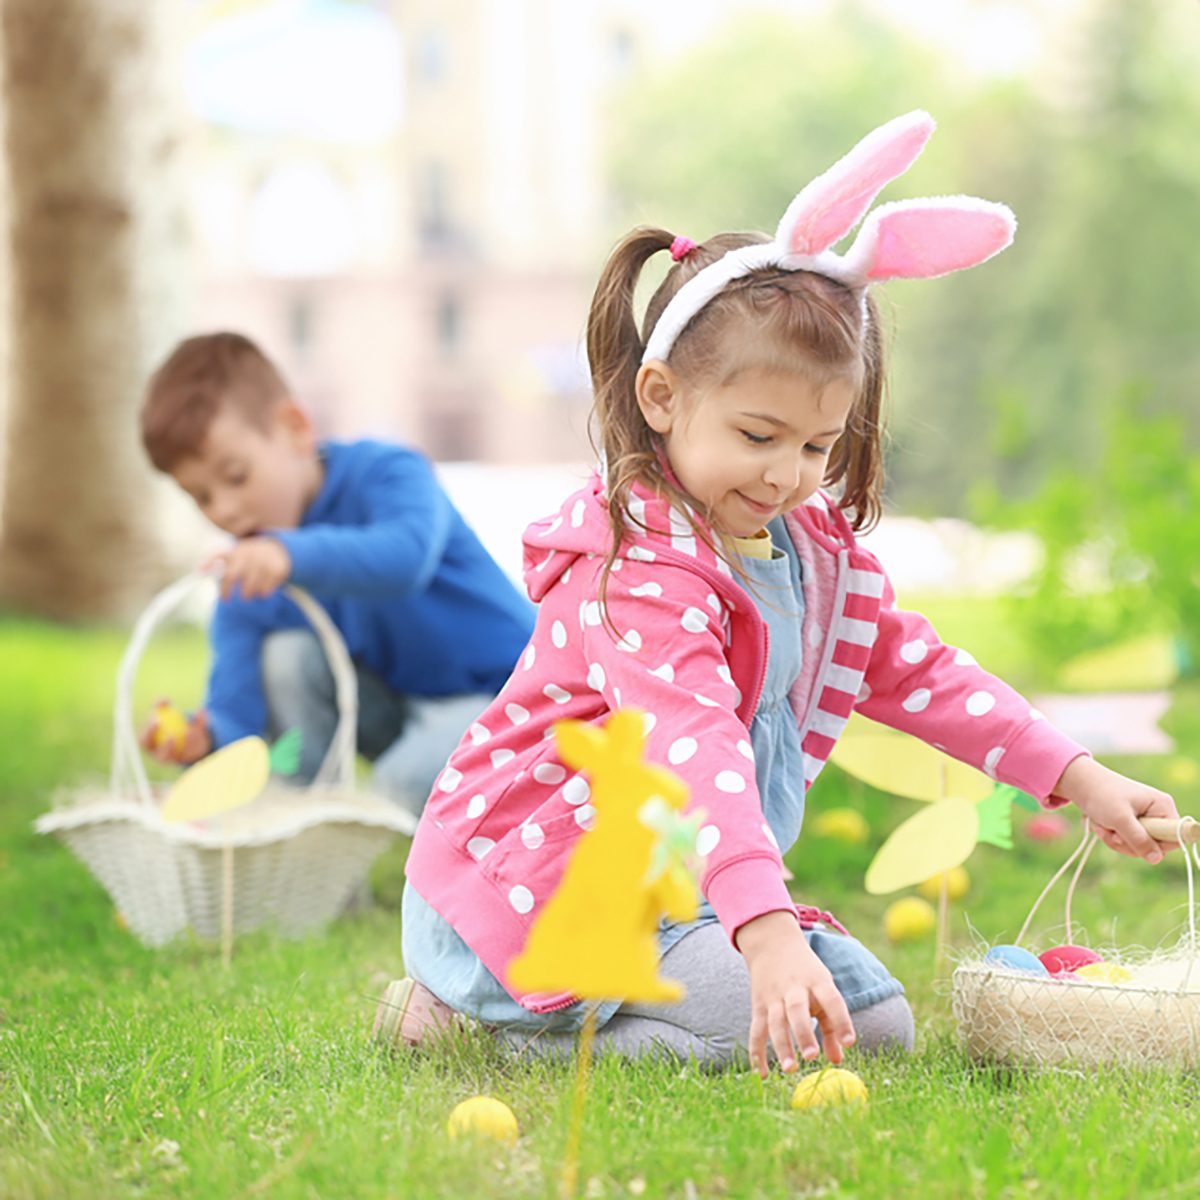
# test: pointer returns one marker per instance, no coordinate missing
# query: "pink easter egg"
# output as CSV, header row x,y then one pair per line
x,y
1046,827
1062,960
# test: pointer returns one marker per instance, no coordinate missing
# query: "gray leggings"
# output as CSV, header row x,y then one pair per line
x,y
712,1022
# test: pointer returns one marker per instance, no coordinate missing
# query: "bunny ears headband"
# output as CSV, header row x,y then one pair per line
x,y
908,239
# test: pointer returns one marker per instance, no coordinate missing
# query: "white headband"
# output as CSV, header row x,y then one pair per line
x,y
908,239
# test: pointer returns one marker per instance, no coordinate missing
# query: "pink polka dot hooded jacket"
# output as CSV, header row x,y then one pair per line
x,y
505,813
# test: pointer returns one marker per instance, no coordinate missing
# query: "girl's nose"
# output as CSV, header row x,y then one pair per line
x,y
784,473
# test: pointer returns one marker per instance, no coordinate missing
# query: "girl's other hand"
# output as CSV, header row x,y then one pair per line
x,y
1114,805
789,985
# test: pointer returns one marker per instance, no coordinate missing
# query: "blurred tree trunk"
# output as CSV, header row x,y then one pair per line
x,y
93,239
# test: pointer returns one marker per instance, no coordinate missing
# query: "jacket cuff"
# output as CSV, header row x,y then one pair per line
x,y
747,888
1036,758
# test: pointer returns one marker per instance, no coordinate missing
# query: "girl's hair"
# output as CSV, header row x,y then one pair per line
x,y
200,376
785,320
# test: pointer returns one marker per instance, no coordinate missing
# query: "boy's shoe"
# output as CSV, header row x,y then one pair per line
x,y
410,1014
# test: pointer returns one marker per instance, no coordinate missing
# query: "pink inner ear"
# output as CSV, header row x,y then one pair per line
x,y
926,242
833,203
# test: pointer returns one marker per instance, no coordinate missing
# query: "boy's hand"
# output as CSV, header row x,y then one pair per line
x,y
1113,804
194,744
256,565
789,985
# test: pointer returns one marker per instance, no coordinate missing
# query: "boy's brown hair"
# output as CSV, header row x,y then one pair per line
x,y
200,376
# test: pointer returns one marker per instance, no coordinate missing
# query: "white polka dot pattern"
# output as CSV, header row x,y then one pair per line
x,y
551,773
558,634
695,620
914,651
681,750
649,588
558,694
478,847
576,790
500,757
530,655
730,782
917,701
770,835
980,703
479,733
449,780
707,839
746,749
585,816
521,898
532,836
666,671
992,760
631,643
517,714
595,677
964,658
476,805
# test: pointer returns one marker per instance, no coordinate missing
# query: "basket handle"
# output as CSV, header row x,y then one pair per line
x,y
128,770
1164,829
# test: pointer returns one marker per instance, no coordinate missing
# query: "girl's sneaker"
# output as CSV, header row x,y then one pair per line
x,y
411,1014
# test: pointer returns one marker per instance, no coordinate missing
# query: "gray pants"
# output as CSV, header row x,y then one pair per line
x,y
407,737
712,1022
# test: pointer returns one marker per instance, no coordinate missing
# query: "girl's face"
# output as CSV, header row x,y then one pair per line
x,y
748,449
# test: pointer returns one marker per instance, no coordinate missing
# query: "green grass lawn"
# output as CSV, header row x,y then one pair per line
x,y
131,1072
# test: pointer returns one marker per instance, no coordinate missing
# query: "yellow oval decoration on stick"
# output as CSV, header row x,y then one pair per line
x,y
908,767
223,781
937,838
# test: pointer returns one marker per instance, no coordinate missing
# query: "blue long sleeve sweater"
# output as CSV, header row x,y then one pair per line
x,y
416,597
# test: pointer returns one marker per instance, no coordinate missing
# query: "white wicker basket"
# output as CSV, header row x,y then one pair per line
x,y
298,854
1016,1018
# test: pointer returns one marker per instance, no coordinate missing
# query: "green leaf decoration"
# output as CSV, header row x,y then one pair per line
x,y
1019,798
285,753
995,818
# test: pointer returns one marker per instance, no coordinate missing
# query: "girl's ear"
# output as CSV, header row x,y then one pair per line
x,y
657,389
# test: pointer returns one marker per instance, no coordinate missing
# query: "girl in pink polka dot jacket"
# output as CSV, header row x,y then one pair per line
x,y
709,575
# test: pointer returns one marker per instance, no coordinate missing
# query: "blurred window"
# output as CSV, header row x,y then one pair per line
x,y
433,57
434,202
449,323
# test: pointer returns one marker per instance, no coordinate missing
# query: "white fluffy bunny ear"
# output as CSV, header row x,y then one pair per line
x,y
921,239
833,203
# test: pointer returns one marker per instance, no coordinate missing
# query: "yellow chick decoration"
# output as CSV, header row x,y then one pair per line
x,y
909,919
483,1117
958,884
611,887
841,824
170,727
1103,972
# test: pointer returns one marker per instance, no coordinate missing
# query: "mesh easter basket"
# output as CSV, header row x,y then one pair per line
x,y
290,859
1146,1013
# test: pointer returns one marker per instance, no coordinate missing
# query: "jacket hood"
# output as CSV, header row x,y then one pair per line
x,y
552,544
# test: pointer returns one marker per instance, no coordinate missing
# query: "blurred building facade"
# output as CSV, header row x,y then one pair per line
x,y
432,284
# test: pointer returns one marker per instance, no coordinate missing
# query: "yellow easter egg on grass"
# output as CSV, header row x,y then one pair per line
x,y
483,1117
958,883
841,824
1102,972
909,919
830,1087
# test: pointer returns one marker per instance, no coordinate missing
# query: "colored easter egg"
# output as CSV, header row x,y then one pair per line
x,y
1103,972
830,1087
958,883
1059,960
484,1117
909,919
841,824
1046,827
1015,958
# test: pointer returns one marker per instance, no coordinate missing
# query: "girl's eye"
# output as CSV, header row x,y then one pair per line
x,y
821,450
755,439
236,480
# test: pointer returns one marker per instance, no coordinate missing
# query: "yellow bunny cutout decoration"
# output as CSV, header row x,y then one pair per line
x,y
596,935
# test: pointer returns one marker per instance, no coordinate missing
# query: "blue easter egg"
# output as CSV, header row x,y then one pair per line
x,y
1016,959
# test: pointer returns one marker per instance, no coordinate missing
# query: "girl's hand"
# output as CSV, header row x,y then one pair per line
x,y
789,985
1113,804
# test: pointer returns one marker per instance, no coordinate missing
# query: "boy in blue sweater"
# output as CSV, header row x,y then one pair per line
x,y
433,625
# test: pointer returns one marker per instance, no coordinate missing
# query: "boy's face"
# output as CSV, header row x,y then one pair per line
x,y
248,479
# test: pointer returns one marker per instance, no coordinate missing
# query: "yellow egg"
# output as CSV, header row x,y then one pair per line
x,y
1103,972
483,1116
842,824
958,883
909,919
831,1086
